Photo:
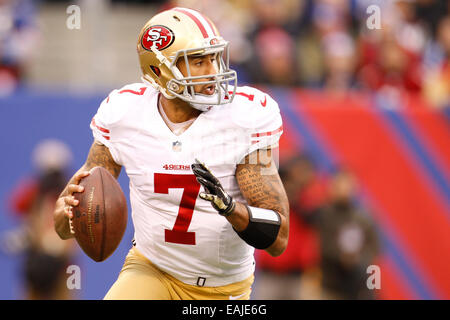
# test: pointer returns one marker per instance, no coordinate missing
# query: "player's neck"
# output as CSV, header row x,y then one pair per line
x,y
178,110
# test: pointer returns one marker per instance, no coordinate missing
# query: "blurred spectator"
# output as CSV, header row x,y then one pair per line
x,y
286,14
437,78
386,65
271,34
409,31
349,242
430,12
46,256
18,39
274,61
326,17
339,60
287,277
331,16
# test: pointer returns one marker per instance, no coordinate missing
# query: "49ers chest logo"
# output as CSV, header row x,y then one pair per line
x,y
159,36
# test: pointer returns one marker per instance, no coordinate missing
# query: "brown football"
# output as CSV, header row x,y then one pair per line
x,y
100,219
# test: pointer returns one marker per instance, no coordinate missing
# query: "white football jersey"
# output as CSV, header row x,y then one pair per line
x,y
174,228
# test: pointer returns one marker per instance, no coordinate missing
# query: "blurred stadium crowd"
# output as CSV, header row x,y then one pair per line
x,y
322,44
316,44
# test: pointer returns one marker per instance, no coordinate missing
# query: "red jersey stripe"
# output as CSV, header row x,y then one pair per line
x,y
98,127
269,133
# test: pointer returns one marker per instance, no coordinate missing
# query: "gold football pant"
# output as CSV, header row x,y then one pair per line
x,y
139,279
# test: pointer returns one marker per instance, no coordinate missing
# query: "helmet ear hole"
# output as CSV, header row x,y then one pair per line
x,y
156,70
176,18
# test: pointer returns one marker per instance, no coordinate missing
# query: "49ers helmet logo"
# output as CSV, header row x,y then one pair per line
x,y
160,36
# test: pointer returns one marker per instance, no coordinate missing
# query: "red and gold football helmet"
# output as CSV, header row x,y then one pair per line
x,y
175,34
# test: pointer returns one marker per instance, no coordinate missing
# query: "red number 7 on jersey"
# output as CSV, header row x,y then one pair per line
x,y
188,182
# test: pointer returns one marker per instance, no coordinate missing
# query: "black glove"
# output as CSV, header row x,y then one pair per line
x,y
220,200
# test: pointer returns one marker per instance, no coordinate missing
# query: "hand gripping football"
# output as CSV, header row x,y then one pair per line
x,y
100,219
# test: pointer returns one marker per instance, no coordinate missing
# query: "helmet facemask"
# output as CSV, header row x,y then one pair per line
x,y
182,87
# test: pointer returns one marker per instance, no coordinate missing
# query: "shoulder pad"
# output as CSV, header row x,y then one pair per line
x,y
119,101
252,108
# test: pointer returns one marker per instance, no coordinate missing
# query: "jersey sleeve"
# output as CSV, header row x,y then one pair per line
x,y
261,118
100,125
267,133
102,128
106,123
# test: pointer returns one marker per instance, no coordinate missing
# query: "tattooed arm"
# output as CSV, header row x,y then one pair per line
x,y
99,155
261,186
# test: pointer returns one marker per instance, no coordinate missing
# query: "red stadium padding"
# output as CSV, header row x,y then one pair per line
x,y
393,287
433,128
287,141
362,141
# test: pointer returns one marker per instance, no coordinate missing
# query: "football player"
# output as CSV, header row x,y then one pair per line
x,y
204,189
